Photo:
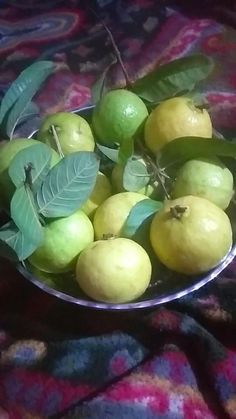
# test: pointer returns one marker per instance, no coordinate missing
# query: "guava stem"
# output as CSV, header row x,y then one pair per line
x,y
198,106
202,106
109,236
57,141
177,211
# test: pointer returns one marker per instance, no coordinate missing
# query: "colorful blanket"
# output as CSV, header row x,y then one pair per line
x,y
60,361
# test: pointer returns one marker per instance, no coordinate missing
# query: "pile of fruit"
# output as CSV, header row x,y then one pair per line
x,y
107,198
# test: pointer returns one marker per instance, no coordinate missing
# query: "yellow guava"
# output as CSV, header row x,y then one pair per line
x,y
111,215
191,235
174,118
101,191
114,270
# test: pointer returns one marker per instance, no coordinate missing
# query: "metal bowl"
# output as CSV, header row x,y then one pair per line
x,y
165,287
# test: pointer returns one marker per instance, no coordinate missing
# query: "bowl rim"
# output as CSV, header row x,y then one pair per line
x,y
153,302
164,298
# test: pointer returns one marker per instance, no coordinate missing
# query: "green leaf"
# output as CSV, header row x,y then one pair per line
x,y
138,214
68,184
186,148
25,215
217,134
99,88
18,97
135,176
111,153
21,83
174,78
38,156
31,110
126,150
11,237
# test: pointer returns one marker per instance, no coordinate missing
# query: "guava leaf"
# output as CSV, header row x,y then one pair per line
x,y
99,87
21,92
13,244
30,75
38,156
138,214
176,77
31,110
126,150
68,184
186,148
110,153
25,215
135,176
217,134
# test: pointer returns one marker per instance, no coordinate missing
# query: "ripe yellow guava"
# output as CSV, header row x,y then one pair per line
x,y
190,235
101,191
174,118
111,215
114,270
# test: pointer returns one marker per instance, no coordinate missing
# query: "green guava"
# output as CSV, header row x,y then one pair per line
x,y
73,131
8,151
119,115
207,178
64,239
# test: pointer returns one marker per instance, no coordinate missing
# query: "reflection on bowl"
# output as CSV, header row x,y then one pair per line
x,y
168,287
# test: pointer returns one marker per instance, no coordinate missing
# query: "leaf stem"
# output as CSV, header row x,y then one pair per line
x,y
57,141
155,167
158,173
118,55
42,220
116,49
